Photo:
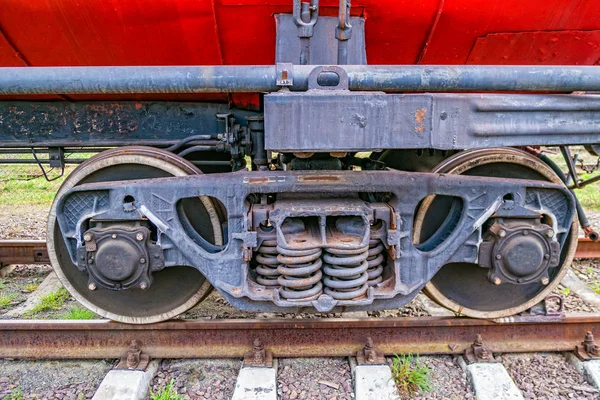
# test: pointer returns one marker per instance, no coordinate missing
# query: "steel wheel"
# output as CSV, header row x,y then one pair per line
x,y
174,289
463,287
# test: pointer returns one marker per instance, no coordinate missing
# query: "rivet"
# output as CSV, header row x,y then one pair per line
x,y
139,237
525,232
498,257
545,281
92,286
114,236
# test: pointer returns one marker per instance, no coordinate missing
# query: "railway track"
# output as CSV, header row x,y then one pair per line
x,y
34,251
44,339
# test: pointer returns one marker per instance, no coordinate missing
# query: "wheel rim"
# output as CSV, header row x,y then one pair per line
x,y
174,289
464,288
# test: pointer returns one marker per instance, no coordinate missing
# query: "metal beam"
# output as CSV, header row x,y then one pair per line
x,y
287,338
213,79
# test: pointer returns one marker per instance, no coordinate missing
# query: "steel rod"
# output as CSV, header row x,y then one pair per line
x,y
287,337
198,79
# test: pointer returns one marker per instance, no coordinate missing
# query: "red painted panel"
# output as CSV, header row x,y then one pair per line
x,y
549,48
9,57
112,32
463,21
204,32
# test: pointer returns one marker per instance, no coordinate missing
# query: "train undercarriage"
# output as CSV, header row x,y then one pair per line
x,y
351,187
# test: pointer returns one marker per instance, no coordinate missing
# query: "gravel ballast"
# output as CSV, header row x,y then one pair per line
x,y
199,379
547,376
62,380
314,379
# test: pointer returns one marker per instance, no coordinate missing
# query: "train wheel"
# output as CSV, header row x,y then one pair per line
x,y
463,287
175,289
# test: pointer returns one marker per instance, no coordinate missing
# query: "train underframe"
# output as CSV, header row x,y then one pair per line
x,y
350,188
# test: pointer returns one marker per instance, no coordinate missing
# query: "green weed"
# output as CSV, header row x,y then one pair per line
x,y
52,301
6,299
410,375
79,313
166,393
595,286
565,291
15,394
31,287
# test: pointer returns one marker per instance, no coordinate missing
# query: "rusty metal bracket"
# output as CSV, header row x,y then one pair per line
x,y
135,359
560,309
258,357
478,353
285,74
588,349
369,355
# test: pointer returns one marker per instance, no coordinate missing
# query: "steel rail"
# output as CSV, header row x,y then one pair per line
x,y
34,251
263,78
287,337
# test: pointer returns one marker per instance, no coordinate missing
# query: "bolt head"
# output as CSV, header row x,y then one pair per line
x,y
550,233
502,233
87,237
498,257
139,237
525,232
497,281
143,286
142,260
92,286
545,281
114,236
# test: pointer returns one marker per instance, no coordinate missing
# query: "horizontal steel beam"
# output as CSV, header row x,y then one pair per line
x,y
358,121
287,338
199,79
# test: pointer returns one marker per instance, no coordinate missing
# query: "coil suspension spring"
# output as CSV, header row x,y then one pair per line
x,y
266,271
300,273
346,273
375,261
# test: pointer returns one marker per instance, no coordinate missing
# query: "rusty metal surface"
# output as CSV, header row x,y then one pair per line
x,y
23,252
34,251
287,338
587,248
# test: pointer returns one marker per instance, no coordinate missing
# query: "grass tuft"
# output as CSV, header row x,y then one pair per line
x,y
31,287
2,284
15,394
52,301
79,313
166,393
595,286
565,291
410,375
6,299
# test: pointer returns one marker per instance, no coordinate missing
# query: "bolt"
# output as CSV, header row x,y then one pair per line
x,y
91,260
143,286
502,233
114,236
497,281
498,257
139,237
142,260
546,256
525,232
550,233
87,237
92,286
545,281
